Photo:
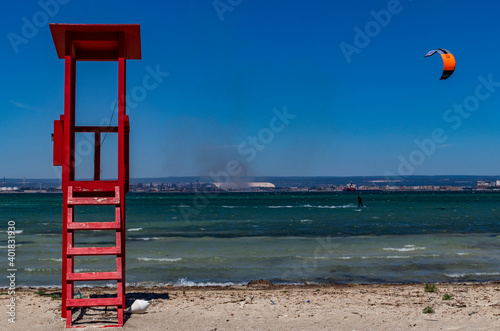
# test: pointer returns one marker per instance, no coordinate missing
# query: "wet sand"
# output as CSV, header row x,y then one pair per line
x,y
473,306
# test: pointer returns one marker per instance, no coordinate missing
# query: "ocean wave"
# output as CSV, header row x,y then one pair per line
x,y
462,253
406,248
325,257
134,229
313,206
396,257
386,257
148,238
328,207
185,282
163,259
16,231
306,221
457,275
51,259
32,269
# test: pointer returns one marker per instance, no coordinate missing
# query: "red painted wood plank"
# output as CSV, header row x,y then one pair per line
x,y
84,251
94,302
94,276
94,226
93,201
57,138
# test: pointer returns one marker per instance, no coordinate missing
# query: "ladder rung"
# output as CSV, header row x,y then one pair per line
x,y
93,201
97,302
94,251
94,226
81,276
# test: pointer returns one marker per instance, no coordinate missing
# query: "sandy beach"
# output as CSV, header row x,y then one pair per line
x,y
472,306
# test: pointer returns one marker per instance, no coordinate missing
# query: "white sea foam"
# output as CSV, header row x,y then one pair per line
x,y
312,206
462,253
386,257
31,269
162,259
406,248
52,259
328,207
460,275
397,257
149,238
134,229
16,231
187,283
305,221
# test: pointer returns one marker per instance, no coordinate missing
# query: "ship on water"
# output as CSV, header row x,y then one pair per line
x,y
350,187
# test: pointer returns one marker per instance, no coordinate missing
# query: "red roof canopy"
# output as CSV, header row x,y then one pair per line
x,y
97,42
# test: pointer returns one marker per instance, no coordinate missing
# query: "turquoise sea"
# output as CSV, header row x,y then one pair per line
x,y
198,239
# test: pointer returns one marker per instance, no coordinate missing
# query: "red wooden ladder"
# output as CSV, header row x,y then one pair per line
x,y
94,193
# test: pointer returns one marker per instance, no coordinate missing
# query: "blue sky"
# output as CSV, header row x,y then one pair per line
x,y
265,86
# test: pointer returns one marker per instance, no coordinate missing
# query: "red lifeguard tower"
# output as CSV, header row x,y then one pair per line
x,y
93,42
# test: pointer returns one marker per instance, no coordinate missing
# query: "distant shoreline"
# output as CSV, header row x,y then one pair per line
x,y
274,192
